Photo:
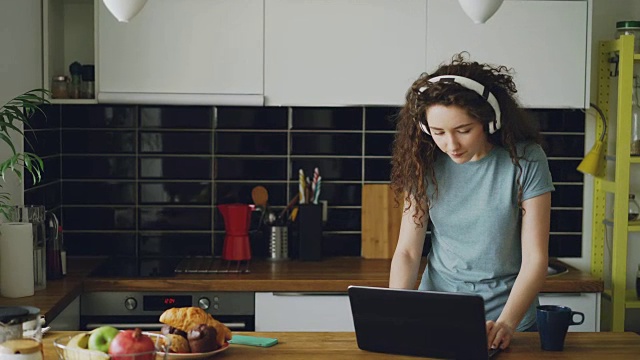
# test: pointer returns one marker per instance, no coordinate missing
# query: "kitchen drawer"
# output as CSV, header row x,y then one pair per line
x,y
587,303
303,312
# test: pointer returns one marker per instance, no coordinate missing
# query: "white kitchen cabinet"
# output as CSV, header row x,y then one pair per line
x,y
183,52
586,303
303,312
342,52
547,43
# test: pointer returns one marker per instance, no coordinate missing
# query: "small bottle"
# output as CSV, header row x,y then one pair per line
x,y
75,69
634,209
88,82
63,252
635,117
630,28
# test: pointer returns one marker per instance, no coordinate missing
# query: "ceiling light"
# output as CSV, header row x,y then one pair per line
x,y
124,10
480,10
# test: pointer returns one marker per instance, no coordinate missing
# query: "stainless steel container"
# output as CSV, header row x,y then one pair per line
x,y
278,243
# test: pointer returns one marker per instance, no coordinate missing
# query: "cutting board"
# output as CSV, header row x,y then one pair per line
x,y
380,221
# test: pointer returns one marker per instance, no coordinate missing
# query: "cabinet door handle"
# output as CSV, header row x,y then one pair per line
x,y
560,294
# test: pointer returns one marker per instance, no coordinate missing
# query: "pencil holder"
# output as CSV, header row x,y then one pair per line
x,y
310,232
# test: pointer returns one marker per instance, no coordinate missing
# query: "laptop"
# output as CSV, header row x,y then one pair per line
x,y
419,323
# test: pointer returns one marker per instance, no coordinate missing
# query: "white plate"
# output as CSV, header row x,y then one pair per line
x,y
185,356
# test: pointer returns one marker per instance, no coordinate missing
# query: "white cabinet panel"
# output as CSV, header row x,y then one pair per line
x,y
342,52
586,303
193,47
545,42
303,312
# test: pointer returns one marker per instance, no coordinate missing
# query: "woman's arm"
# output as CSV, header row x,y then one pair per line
x,y
406,258
533,271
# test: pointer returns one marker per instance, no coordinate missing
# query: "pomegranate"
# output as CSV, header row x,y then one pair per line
x,y
132,345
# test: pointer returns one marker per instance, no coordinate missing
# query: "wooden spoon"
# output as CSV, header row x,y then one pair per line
x,y
260,196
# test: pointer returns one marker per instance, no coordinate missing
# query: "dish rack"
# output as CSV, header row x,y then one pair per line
x,y
211,265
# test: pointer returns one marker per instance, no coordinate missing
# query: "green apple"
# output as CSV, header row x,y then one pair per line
x,y
79,341
101,337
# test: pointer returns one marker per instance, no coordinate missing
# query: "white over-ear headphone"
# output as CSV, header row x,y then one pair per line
x,y
471,85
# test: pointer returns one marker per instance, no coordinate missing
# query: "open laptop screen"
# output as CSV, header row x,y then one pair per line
x,y
419,323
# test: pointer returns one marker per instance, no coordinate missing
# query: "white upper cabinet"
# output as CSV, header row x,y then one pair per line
x,y
545,42
342,52
183,52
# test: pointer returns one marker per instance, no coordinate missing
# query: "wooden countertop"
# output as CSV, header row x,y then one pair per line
x,y
525,346
328,275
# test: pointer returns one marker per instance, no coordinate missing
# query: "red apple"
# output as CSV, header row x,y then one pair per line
x,y
129,342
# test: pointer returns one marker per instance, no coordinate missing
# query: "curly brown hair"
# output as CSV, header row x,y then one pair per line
x,y
415,152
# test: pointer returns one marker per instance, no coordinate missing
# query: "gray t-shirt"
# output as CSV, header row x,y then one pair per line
x,y
476,246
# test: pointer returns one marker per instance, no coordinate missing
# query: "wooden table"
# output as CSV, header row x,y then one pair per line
x,y
335,345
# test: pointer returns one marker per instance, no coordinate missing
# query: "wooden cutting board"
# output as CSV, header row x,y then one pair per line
x,y
380,221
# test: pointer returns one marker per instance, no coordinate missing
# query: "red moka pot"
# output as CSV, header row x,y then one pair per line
x,y
237,220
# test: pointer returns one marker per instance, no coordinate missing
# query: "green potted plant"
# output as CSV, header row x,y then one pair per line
x,y
19,110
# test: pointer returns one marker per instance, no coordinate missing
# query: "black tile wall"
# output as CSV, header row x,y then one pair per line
x,y
144,180
42,137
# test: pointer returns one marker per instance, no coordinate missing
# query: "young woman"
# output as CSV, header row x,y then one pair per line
x,y
468,160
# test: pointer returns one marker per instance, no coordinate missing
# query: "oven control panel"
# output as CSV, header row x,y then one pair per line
x,y
154,303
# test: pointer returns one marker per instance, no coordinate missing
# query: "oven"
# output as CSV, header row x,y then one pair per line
x,y
125,310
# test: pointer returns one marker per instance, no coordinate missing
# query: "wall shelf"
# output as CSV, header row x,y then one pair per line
x,y
621,298
68,35
73,101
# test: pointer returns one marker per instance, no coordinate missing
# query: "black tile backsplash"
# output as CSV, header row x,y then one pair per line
x,y
92,141
96,117
175,167
176,117
82,192
186,142
144,180
252,118
98,167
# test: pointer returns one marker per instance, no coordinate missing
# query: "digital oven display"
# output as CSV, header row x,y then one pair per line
x,y
162,302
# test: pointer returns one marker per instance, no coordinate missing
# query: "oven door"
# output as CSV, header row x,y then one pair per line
x,y
125,310
150,323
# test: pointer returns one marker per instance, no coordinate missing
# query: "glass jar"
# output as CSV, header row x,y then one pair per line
x,y
630,28
20,333
59,87
635,117
634,209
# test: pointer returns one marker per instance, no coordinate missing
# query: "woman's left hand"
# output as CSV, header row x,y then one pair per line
x,y
499,335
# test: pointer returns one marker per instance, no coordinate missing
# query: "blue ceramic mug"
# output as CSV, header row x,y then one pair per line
x,y
553,323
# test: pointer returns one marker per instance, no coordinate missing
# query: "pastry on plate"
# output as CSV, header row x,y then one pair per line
x,y
187,318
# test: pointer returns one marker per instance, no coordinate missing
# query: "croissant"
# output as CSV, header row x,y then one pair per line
x,y
186,318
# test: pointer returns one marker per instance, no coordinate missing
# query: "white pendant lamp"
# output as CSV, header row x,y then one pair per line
x,y
480,10
124,10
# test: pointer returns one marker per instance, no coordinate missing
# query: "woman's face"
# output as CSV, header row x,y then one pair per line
x,y
457,134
